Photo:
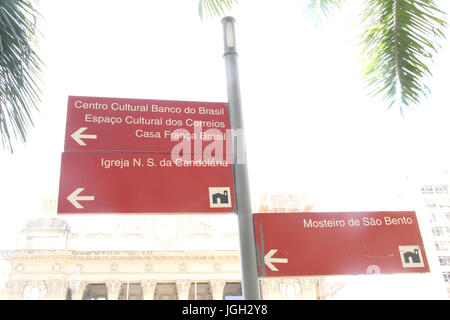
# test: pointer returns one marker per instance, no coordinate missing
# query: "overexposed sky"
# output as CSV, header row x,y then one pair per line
x,y
311,128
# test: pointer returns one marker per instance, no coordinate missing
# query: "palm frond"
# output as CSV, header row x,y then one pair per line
x,y
214,7
399,41
20,69
320,10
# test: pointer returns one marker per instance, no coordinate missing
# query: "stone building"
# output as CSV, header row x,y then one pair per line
x,y
137,257
436,202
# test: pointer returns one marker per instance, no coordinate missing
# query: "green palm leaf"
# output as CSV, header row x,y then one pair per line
x,y
319,10
19,70
214,7
400,39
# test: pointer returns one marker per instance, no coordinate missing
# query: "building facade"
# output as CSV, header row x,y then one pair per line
x,y
436,203
179,257
149,258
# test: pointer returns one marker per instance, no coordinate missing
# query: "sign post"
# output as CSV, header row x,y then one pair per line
x,y
250,282
338,243
143,183
140,156
100,124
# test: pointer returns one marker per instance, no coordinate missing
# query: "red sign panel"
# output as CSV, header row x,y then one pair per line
x,y
143,183
313,244
138,125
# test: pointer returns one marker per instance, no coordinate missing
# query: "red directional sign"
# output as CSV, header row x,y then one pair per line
x,y
138,183
313,244
139,125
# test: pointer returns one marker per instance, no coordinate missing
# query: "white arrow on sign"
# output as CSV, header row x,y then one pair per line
x,y
74,198
77,136
269,260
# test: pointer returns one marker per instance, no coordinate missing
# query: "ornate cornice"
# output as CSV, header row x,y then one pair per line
x,y
138,255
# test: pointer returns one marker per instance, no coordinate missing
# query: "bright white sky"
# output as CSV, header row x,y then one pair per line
x,y
310,127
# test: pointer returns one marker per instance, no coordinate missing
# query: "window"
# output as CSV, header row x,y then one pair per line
x,y
439,231
441,189
131,291
440,217
200,291
95,292
444,260
446,276
232,291
427,189
166,291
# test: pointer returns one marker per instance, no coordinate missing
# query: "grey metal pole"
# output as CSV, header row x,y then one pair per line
x,y
250,284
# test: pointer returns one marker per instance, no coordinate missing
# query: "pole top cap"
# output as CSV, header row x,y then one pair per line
x,y
228,18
